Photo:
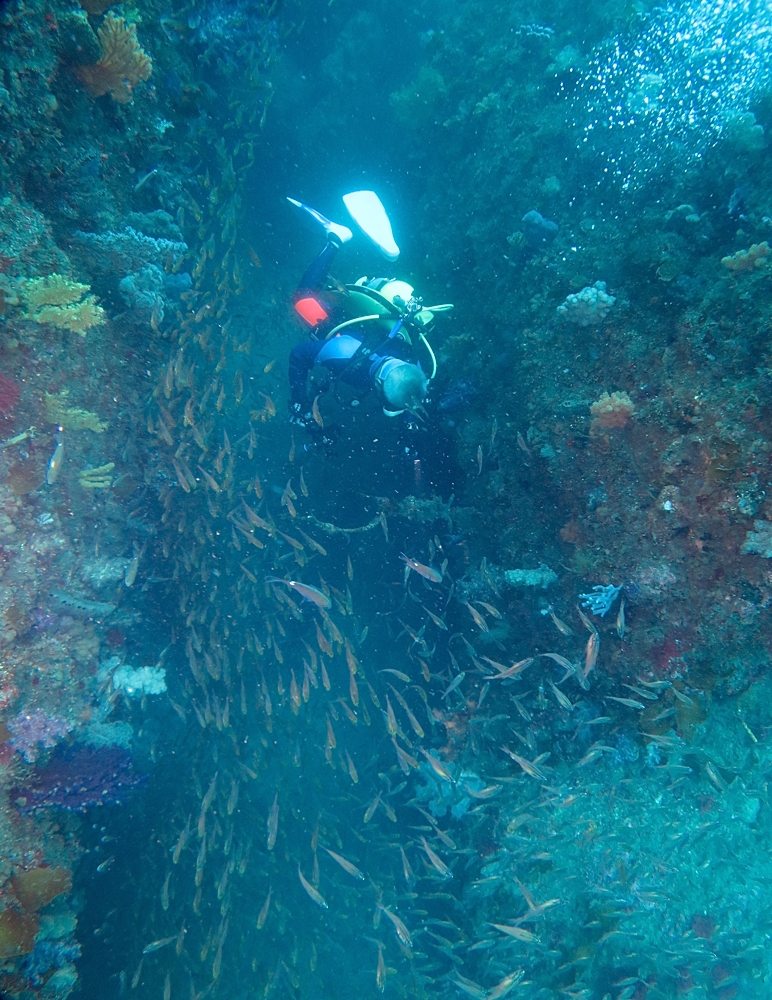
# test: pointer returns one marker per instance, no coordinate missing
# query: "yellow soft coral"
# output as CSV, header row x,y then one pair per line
x,y
77,318
53,290
122,66
96,479
58,301
72,418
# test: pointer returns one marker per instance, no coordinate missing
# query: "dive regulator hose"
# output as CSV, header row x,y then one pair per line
x,y
373,316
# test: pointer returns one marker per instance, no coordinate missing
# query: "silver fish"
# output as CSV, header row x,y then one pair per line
x,y
55,464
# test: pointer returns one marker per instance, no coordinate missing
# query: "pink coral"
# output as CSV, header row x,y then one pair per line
x,y
8,693
611,411
32,728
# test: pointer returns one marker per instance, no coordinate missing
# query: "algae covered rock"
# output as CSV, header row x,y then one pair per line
x,y
417,103
17,932
37,887
78,44
27,243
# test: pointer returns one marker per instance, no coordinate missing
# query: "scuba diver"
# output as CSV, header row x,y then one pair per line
x,y
370,335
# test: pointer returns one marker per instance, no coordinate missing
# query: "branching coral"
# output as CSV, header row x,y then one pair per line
x,y
59,301
611,411
752,259
123,64
601,598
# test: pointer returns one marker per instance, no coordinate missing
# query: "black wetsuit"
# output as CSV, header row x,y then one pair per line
x,y
322,308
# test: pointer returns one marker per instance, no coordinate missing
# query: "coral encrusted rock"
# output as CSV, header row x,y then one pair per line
x,y
759,541
752,259
10,394
588,307
124,252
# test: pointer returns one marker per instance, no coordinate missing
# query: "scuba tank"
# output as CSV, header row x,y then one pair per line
x,y
392,308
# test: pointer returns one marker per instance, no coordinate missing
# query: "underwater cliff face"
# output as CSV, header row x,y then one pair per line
x,y
475,704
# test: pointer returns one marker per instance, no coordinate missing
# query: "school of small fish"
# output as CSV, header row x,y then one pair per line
x,y
323,739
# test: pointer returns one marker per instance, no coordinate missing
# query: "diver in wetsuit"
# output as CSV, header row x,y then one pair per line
x,y
369,335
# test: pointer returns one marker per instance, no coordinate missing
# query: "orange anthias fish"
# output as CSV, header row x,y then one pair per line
x,y
427,572
305,590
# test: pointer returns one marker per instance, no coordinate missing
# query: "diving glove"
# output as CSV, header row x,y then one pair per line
x,y
298,417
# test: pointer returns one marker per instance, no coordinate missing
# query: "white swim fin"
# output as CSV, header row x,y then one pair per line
x,y
366,209
342,233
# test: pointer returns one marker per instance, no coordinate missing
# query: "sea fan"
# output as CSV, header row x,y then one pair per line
x,y
10,393
123,64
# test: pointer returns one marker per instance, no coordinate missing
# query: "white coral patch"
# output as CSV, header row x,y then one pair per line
x,y
137,681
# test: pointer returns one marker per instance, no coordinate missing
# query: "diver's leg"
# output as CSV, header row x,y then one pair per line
x,y
301,361
316,273
312,301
